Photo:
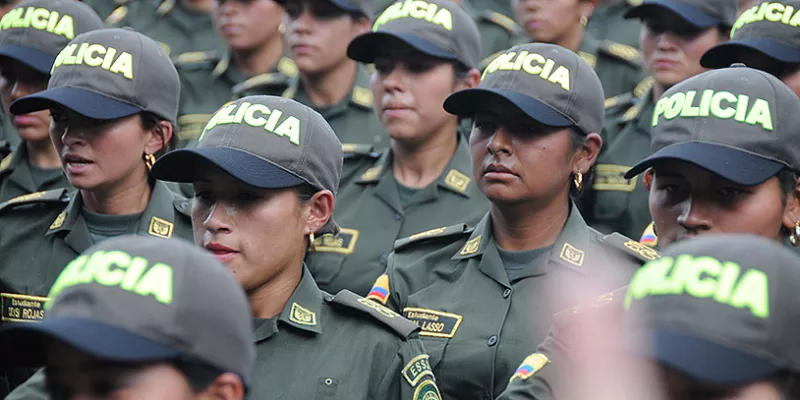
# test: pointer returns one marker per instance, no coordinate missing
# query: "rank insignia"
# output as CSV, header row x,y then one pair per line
x,y
160,228
302,315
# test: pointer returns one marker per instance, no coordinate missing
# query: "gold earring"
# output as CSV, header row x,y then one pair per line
x,y
794,237
311,244
577,179
149,161
584,20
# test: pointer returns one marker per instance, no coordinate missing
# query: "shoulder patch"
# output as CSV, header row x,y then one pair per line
x,y
649,237
49,196
622,52
503,21
6,162
620,99
116,16
288,67
453,230
631,247
195,57
399,325
362,96
531,365
590,59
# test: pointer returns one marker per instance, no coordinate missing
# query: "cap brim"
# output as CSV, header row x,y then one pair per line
x,y
182,166
34,58
690,13
725,54
366,47
467,102
22,344
732,164
707,361
82,101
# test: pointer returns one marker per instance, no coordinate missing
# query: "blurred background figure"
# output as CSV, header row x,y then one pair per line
x,y
104,8
608,22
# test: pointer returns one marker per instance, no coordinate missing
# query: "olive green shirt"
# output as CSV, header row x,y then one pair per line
x,y
354,119
617,65
502,6
372,217
476,325
498,32
209,81
19,177
610,202
41,233
608,23
176,27
8,136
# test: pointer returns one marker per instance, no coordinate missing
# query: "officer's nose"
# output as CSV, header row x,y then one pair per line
x,y
218,219
394,80
695,215
500,141
668,41
20,89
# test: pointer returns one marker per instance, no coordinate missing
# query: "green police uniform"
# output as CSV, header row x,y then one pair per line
x,y
477,324
208,82
618,66
373,215
498,32
41,232
608,23
177,28
19,177
500,6
104,8
8,135
354,119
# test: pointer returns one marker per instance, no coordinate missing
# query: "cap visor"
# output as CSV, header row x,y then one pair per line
x,y
466,103
725,54
182,166
707,361
734,165
690,13
365,47
22,344
81,101
29,56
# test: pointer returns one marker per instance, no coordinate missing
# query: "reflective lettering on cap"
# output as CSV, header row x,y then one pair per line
x,y
417,9
721,105
768,11
256,115
96,56
40,19
532,64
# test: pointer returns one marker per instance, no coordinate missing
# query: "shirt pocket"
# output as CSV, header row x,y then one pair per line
x,y
327,387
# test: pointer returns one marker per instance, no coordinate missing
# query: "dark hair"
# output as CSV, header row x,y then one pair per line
x,y
787,178
151,121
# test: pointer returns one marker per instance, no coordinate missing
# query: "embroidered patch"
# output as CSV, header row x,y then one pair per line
x,y
434,323
362,96
343,242
471,247
302,315
649,237
588,58
287,67
416,369
530,366
6,162
572,255
379,308
642,250
427,390
432,232
21,308
612,177
380,290
59,221
371,173
457,181
160,228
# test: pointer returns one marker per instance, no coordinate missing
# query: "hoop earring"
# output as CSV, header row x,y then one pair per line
x,y
584,20
149,161
794,237
577,179
311,244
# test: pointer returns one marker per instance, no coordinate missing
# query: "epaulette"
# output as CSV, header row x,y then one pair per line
x,y
632,112
165,7
643,86
5,162
116,16
288,67
191,58
49,196
505,22
621,52
488,60
266,79
619,100
436,233
631,247
359,150
5,148
400,325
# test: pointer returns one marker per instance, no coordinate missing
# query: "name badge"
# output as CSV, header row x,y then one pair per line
x,y
434,323
21,308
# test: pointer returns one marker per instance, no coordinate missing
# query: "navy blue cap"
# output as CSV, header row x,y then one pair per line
x,y
39,60
82,101
470,101
700,13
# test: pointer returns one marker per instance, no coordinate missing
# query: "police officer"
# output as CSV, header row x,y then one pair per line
x,y
675,35
471,289
27,53
256,55
180,26
423,181
186,331
563,22
711,172
265,174
109,125
608,22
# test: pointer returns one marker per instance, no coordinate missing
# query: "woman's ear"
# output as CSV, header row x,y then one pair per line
x,y
227,386
159,137
587,154
320,210
791,213
647,179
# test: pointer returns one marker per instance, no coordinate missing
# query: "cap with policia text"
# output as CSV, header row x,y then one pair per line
x,y
737,122
365,7
109,74
136,299
769,29
720,308
549,83
35,31
266,142
700,13
438,28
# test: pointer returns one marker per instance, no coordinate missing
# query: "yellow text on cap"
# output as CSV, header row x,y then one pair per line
x,y
703,278
245,113
416,9
533,64
721,105
770,11
96,56
40,19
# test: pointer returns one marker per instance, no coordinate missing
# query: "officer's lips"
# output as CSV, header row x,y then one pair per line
x,y
222,253
497,171
76,164
394,108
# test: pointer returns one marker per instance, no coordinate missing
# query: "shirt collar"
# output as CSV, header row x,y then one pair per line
x,y
303,310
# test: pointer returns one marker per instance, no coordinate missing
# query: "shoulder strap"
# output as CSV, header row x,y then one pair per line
x,y
620,100
503,21
630,247
195,58
436,233
399,325
621,52
49,196
352,150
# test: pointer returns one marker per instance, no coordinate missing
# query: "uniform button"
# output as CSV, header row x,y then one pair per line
x,y
398,217
328,381
492,340
506,293
384,259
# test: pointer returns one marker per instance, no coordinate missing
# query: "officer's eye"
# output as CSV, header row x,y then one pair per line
x,y
248,197
383,66
420,66
58,115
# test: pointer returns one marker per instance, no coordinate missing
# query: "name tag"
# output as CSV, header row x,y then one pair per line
x,y
21,308
612,177
434,323
344,242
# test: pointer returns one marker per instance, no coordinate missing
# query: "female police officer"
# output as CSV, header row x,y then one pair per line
x,y
113,98
422,182
471,290
265,175
27,52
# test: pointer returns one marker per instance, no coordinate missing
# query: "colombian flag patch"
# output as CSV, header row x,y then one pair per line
x,y
530,366
649,237
380,290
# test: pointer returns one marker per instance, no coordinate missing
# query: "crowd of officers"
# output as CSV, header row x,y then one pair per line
x,y
410,199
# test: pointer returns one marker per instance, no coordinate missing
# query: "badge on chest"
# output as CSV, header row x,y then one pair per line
x,y
434,323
